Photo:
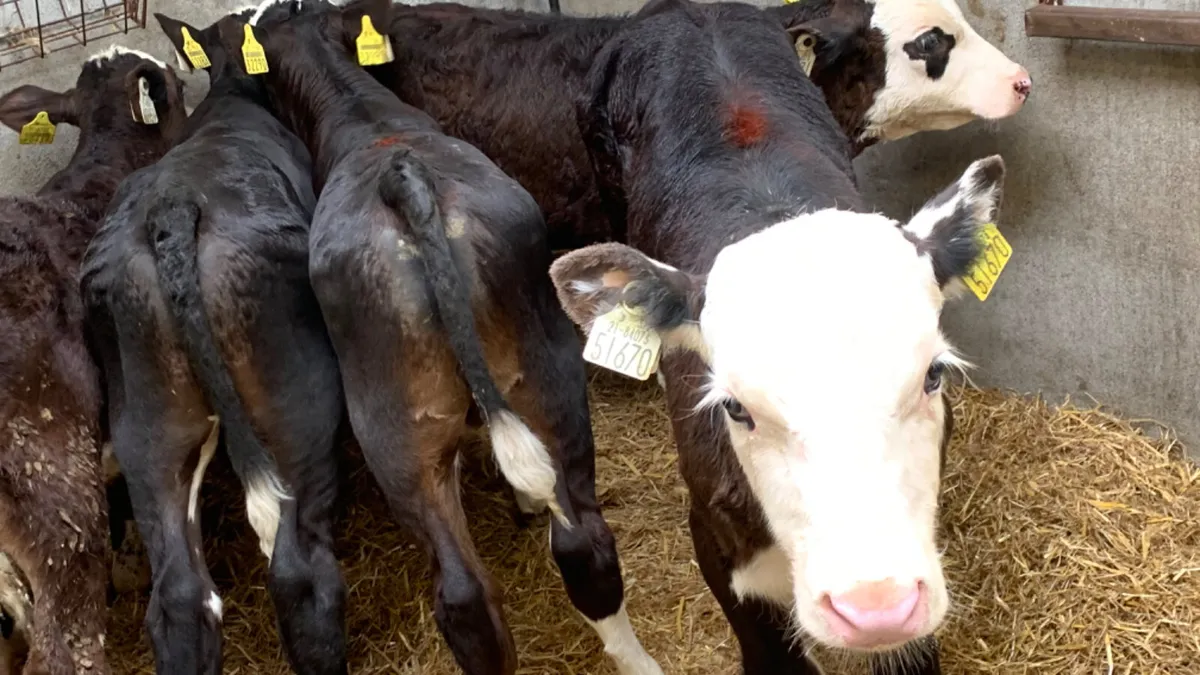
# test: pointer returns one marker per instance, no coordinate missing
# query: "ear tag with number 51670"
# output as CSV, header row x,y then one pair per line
x,y
982,276
620,341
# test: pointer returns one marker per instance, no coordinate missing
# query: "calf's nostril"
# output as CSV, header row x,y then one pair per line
x,y
878,607
1023,87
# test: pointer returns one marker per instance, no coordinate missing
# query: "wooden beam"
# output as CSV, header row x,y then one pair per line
x,y
1145,26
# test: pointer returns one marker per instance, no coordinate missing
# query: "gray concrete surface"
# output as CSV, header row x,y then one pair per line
x,y
1102,297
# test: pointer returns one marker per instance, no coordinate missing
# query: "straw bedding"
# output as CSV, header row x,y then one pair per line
x,y
1072,544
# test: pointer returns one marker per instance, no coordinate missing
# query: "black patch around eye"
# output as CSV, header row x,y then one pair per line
x,y
933,47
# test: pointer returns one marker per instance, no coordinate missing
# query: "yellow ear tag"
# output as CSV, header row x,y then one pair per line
x,y
145,103
982,276
253,54
38,132
790,2
620,341
806,51
194,51
373,49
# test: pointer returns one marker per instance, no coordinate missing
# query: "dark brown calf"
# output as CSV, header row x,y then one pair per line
x,y
53,529
430,266
197,289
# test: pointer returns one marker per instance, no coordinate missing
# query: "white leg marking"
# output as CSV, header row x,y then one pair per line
x,y
206,454
214,605
262,510
528,505
622,645
768,576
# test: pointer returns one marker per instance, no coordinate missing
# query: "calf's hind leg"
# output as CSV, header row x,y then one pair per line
x,y
164,456
551,394
409,422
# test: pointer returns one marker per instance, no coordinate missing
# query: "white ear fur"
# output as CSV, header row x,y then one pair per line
x,y
979,188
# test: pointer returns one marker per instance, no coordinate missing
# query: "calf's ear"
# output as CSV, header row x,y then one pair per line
x,y
829,38
162,89
174,29
594,280
947,228
19,106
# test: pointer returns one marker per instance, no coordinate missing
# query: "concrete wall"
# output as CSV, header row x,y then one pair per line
x,y
1102,297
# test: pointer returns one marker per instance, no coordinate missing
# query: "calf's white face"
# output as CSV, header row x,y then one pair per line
x,y
822,338
940,73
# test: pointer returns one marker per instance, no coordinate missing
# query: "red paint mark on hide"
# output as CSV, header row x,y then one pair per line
x,y
747,125
386,142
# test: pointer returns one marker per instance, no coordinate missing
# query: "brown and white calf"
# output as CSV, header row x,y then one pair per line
x,y
803,357
430,267
197,292
506,81
53,526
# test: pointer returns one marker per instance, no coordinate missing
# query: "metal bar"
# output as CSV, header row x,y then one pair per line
x,y
1143,26
37,8
83,20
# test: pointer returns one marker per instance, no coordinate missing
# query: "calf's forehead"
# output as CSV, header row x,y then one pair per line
x,y
829,290
905,19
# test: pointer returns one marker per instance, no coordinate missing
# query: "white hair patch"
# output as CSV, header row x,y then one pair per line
x,y
115,51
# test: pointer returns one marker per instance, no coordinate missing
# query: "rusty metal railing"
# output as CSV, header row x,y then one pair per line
x,y
1051,18
31,29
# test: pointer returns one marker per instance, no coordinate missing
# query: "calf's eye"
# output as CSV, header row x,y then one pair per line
x,y
933,377
738,413
928,41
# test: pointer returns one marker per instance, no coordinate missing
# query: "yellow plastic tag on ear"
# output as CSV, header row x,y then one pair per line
x,y
145,103
982,276
38,132
194,51
790,2
373,49
620,341
806,52
253,54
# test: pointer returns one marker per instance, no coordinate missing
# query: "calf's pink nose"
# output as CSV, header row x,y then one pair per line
x,y
1023,84
878,613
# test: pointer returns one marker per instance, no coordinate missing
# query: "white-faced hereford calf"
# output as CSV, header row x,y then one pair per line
x,y
197,290
804,361
53,528
506,81
430,266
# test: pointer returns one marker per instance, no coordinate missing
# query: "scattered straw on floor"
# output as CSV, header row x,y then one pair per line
x,y
1072,546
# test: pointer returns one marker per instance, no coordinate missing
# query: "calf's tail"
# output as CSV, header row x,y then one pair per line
x,y
172,224
406,187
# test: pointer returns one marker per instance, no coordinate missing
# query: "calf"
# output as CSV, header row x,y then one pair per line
x,y
53,526
430,266
506,82
197,289
802,355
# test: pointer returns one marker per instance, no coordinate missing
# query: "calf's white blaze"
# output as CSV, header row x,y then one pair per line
x,y
978,81
824,327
